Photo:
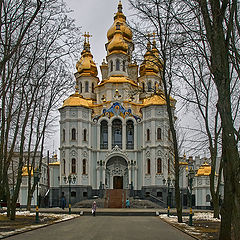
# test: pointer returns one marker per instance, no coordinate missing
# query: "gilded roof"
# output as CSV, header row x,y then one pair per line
x,y
77,100
204,170
54,163
117,79
25,171
120,19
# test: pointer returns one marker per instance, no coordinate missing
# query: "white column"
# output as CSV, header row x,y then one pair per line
x,y
109,136
103,175
135,181
98,177
135,136
129,174
124,136
98,136
111,181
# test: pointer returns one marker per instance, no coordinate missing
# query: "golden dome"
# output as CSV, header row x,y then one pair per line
x,y
151,63
204,170
118,43
86,66
76,100
157,100
25,171
120,18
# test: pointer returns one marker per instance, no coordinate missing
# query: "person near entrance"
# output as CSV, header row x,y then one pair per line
x,y
94,208
127,203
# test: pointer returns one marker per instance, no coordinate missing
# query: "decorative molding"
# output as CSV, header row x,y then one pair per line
x,y
116,150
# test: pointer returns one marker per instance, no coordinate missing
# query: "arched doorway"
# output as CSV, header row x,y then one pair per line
x,y
117,173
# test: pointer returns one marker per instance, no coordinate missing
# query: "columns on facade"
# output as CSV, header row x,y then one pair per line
x,y
135,136
98,135
135,178
129,175
104,174
109,136
98,177
124,136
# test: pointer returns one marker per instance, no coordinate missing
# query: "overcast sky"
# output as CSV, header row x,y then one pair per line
x,y
96,17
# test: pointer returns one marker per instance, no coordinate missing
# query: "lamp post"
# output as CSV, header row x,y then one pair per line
x,y
190,180
70,179
37,175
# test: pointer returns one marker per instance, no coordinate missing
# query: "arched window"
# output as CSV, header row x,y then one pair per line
x,y
117,133
84,166
159,134
73,165
159,165
64,166
111,65
149,86
80,87
130,134
85,135
104,135
64,135
86,87
117,65
148,166
148,135
124,66
208,198
143,87
92,87
73,134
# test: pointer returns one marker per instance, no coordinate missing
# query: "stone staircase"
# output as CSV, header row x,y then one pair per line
x,y
115,198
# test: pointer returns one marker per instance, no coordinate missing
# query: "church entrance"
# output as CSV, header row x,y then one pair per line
x,y
118,182
117,173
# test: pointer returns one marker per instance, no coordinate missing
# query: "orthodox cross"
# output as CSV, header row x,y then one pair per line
x,y
87,36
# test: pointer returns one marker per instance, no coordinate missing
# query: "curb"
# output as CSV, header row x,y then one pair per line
x,y
35,228
178,228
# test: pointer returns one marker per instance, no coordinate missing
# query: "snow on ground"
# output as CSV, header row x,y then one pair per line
x,y
58,217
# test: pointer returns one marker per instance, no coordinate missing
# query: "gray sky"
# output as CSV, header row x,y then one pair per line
x,y
96,17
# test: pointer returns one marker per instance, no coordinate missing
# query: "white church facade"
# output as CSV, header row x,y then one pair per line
x,y
114,130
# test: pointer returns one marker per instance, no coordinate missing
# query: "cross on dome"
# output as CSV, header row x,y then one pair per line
x,y
87,36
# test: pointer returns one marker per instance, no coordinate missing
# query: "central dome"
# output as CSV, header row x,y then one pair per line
x,y
121,20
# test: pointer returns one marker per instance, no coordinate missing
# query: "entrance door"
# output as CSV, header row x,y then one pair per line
x,y
118,182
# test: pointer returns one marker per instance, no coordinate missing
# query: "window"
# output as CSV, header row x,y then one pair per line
x,y
159,194
143,87
159,134
159,165
148,135
84,166
73,194
148,166
85,135
124,66
86,87
130,134
64,166
92,87
111,66
117,133
80,87
117,65
104,135
63,137
73,165
85,194
208,198
73,134
149,86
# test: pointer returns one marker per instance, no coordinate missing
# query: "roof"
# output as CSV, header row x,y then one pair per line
x,y
77,100
204,170
54,163
117,79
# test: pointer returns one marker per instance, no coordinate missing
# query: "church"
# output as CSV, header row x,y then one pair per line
x,y
114,130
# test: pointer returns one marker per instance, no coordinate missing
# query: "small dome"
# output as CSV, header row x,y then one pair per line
x,y
125,29
76,100
86,65
118,43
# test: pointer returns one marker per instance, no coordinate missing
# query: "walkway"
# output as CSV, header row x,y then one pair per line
x,y
106,228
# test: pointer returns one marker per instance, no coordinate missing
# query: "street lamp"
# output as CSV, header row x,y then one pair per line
x,y
190,180
70,179
37,175
168,197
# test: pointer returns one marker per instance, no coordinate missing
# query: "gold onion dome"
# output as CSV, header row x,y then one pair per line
x,y
76,100
120,18
118,43
86,66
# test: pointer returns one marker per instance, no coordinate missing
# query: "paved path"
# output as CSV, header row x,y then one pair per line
x,y
106,228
